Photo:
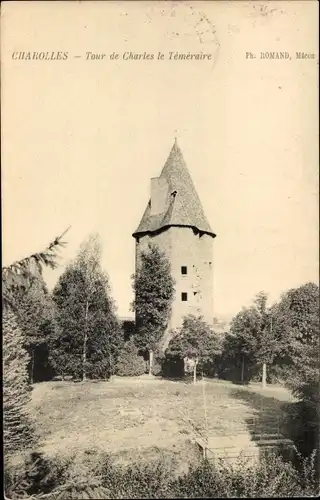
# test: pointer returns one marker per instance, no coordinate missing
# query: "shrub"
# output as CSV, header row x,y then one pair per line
x,y
156,367
279,372
138,480
303,424
158,359
130,364
93,475
270,478
34,474
173,367
75,476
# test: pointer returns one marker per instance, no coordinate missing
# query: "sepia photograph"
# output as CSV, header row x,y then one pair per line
x,y
160,249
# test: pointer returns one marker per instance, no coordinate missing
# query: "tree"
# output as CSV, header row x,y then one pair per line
x,y
269,344
88,335
297,319
35,315
19,275
236,358
154,291
129,363
17,427
196,341
18,430
254,334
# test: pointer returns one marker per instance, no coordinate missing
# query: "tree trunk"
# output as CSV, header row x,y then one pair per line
x,y
85,339
264,375
150,362
242,370
195,372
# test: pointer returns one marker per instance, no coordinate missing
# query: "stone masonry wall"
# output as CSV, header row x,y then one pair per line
x,y
185,248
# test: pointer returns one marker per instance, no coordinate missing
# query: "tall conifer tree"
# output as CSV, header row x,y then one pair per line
x,y
154,291
17,425
16,278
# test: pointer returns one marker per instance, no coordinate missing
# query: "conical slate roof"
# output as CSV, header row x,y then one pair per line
x,y
183,206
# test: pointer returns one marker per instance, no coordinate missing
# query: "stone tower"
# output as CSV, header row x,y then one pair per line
x,y
174,220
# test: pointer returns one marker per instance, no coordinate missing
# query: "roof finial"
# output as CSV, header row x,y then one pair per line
x,y
176,137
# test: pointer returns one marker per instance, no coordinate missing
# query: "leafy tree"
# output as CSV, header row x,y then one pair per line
x,y
17,427
129,363
88,335
154,291
254,335
297,319
236,359
194,340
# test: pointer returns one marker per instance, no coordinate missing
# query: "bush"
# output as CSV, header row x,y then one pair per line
x,y
33,474
157,364
173,367
156,367
303,423
93,475
130,364
68,477
279,372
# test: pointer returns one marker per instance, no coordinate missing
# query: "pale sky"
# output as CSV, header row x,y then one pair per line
x,y
81,139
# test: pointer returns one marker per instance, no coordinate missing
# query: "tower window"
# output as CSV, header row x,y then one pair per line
x,y
184,270
184,297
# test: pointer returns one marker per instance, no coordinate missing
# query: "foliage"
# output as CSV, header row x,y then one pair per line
x,y
297,318
36,474
253,340
254,333
270,478
235,362
285,335
35,314
96,476
20,274
154,291
129,363
88,336
157,363
17,427
195,339
302,420
16,278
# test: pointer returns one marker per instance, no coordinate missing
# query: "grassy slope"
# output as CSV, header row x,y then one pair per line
x,y
140,416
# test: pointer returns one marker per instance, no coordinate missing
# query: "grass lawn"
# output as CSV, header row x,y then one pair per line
x,y
131,417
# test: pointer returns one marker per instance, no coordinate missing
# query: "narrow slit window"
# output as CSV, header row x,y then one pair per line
x,y
184,296
184,270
